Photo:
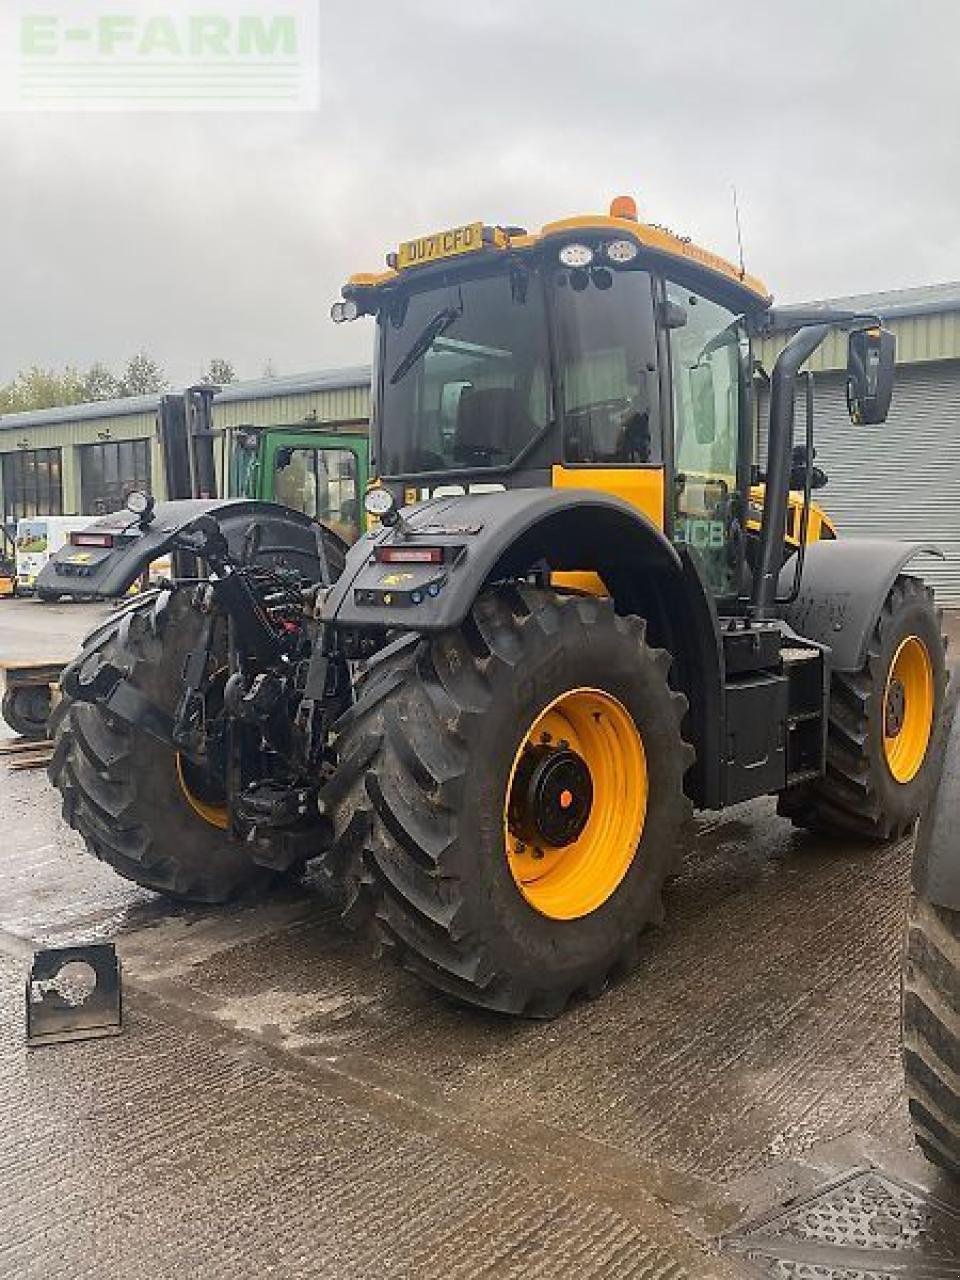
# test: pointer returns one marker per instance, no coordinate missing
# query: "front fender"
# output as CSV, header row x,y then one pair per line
x,y
844,585
283,533
485,538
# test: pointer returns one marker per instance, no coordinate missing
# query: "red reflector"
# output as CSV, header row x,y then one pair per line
x,y
91,539
410,555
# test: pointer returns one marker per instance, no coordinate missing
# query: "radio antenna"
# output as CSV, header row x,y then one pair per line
x,y
736,214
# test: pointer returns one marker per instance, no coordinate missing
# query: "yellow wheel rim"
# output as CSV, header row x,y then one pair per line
x,y
214,814
599,742
908,704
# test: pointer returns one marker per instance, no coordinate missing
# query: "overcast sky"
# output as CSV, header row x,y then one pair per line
x,y
196,236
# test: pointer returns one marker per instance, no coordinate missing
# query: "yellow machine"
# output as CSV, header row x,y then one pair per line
x,y
574,618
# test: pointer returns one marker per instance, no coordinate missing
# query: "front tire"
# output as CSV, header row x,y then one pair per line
x,y
930,1018
136,804
882,722
466,746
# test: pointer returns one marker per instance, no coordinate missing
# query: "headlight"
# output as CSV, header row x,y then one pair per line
x,y
341,312
576,255
379,503
622,251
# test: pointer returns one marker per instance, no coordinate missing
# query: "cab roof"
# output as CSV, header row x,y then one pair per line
x,y
465,246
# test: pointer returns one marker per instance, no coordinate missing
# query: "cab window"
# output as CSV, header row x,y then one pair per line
x,y
322,483
706,355
607,361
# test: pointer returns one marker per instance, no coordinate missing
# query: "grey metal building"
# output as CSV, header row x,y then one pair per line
x,y
901,479
83,459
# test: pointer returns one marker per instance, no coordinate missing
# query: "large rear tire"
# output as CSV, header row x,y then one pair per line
x,y
137,804
930,1012
511,799
882,722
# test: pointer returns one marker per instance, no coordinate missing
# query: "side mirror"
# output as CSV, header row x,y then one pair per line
x,y
870,359
703,403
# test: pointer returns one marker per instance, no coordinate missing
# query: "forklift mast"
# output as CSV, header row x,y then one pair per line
x,y
186,434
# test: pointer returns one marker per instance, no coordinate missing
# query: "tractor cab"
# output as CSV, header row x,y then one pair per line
x,y
601,353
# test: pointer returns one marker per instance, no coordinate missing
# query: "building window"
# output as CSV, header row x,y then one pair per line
x,y
31,485
108,472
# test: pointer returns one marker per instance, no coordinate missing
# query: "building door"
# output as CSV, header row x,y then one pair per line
x,y
108,472
32,485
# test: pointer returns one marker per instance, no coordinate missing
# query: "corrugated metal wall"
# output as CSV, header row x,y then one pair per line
x,y
898,480
340,405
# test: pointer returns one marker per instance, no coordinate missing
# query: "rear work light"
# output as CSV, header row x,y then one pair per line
x,y
91,539
409,555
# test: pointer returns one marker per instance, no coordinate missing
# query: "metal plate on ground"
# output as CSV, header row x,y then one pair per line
x,y
73,993
864,1226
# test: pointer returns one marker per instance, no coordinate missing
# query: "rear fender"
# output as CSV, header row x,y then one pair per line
x,y
845,583
488,538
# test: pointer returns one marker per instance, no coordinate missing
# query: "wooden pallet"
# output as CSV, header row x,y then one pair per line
x,y
26,753
38,761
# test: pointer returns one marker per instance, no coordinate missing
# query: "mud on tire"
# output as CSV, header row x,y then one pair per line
x,y
120,787
858,794
425,758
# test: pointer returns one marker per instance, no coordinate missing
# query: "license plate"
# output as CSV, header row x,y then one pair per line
x,y
442,244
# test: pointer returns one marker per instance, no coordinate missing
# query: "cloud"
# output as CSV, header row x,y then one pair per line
x,y
230,235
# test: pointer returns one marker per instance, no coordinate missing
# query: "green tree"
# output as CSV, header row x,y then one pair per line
x,y
99,383
220,373
38,388
142,376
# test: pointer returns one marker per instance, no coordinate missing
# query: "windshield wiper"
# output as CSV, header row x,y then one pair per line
x,y
431,331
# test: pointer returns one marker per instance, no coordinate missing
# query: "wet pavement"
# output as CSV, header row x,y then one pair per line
x,y
279,1104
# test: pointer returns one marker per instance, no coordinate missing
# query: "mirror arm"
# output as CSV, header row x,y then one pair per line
x,y
801,346
781,319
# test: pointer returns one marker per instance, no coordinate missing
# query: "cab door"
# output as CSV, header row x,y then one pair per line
x,y
709,353
324,475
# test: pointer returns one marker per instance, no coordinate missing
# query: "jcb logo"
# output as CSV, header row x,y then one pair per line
x,y
702,534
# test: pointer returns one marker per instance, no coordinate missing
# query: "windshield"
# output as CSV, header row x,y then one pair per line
x,y
465,375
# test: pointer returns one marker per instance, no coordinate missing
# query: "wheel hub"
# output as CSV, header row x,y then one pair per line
x,y
551,796
575,803
895,709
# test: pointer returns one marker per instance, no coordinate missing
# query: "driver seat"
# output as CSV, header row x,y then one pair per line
x,y
493,420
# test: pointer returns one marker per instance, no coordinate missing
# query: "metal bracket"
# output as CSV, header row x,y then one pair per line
x,y
73,993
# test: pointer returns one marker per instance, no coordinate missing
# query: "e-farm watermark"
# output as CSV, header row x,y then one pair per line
x,y
146,55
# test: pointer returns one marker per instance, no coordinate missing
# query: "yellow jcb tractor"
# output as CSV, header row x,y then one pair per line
x,y
564,630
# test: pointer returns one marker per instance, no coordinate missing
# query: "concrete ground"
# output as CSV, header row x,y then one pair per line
x,y
280,1104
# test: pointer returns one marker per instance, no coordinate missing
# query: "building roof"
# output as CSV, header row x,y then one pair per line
x,y
257,389
921,300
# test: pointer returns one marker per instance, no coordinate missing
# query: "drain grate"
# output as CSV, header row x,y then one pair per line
x,y
865,1226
